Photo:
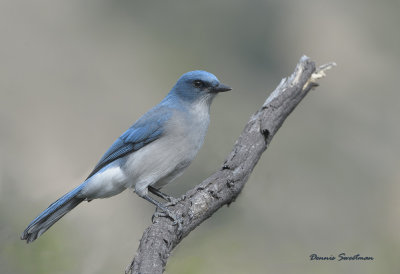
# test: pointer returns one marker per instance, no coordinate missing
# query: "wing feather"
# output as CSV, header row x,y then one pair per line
x,y
147,129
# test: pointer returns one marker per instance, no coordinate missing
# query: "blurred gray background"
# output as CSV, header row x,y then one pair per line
x,y
75,74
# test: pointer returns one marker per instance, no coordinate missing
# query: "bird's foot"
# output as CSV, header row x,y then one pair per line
x,y
167,213
163,211
174,201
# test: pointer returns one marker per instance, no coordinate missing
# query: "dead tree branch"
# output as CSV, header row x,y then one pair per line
x,y
224,186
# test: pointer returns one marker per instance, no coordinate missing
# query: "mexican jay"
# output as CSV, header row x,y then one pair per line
x,y
150,154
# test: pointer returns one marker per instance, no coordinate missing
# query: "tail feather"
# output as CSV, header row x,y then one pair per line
x,y
52,214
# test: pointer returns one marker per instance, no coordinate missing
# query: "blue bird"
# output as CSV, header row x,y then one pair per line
x,y
150,154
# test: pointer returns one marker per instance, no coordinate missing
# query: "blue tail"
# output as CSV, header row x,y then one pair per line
x,y
52,214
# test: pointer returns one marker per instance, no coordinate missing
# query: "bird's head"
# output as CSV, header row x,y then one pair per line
x,y
198,85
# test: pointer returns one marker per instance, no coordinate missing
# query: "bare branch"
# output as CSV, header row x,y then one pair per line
x,y
224,186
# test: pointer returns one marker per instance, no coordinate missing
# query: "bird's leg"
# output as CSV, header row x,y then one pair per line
x,y
160,194
166,211
171,200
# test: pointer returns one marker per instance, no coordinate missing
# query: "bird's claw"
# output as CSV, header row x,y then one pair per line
x,y
173,201
176,220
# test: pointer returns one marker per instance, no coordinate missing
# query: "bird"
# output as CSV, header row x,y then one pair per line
x,y
153,152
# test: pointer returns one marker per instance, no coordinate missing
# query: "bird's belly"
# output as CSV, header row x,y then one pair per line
x,y
109,181
158,163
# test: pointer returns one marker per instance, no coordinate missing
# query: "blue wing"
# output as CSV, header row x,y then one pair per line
x,y
147,129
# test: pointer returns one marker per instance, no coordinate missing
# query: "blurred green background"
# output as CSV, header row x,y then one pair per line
x,y
75,74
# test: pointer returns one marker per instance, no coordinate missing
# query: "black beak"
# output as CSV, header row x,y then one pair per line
x,y
221,88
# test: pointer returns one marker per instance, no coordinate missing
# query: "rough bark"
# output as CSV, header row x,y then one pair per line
x,y
225,185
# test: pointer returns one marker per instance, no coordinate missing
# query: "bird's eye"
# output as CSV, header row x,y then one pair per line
x,y
197,83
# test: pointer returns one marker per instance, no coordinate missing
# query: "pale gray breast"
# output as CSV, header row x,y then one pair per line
x,y
189,133
161,161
